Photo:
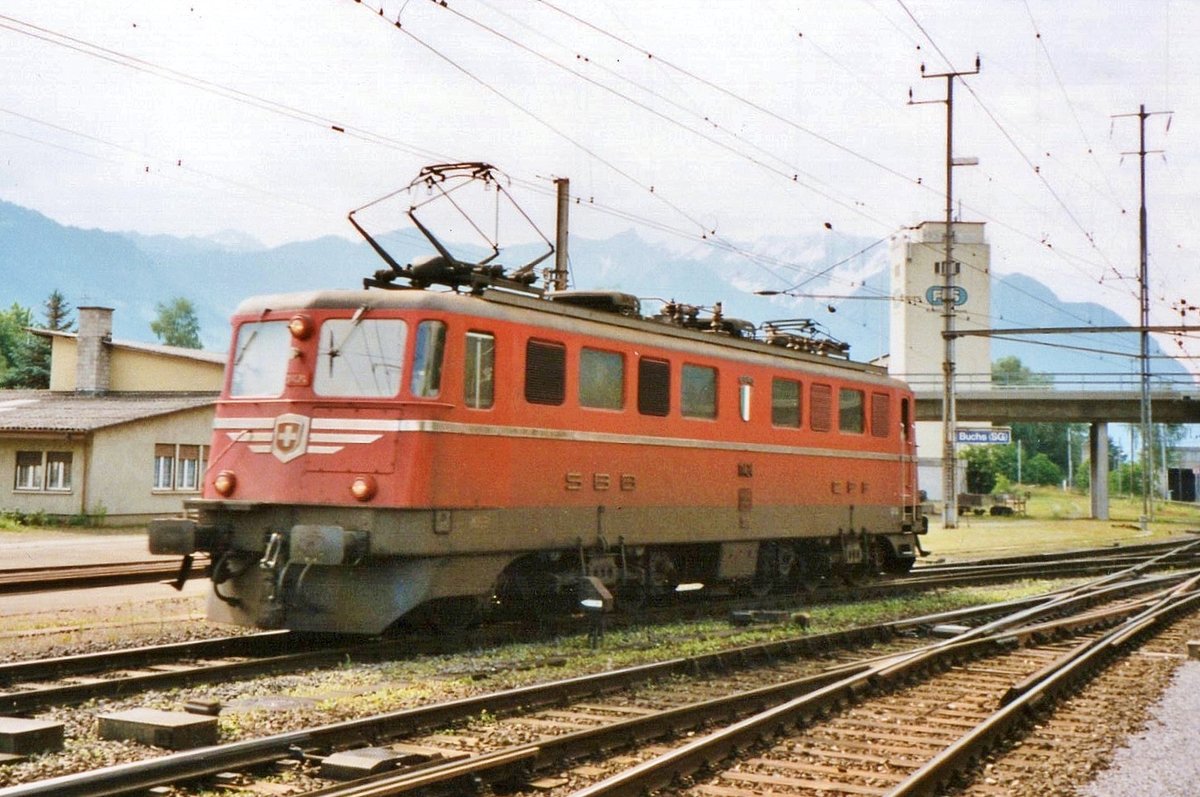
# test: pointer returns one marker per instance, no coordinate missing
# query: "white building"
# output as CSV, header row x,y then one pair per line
x,y
918,319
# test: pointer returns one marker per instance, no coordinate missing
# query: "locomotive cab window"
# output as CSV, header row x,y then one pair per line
x,y
785,403
426,380
260,359
479,369
654,387
851,411
699,391
601,379
360,357
545,372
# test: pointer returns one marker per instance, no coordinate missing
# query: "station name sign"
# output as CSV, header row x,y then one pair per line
x,y
996,435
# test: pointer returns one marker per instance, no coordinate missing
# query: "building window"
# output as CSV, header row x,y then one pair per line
x,y
426,380
654,387
699,394
178,467
601,379
851,411
187,468
479,370
785,403
48,471
545,372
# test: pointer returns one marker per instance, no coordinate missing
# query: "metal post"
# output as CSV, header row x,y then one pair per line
x,y
1147,453
1144,296
561,273
949,308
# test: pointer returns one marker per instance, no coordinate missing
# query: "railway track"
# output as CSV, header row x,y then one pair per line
x,y
29,686
48,579
533,732
1072,563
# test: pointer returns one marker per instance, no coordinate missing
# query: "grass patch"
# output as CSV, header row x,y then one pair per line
x,y
1058,520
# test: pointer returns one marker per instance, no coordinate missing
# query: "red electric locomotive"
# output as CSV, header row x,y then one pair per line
x,y
422,453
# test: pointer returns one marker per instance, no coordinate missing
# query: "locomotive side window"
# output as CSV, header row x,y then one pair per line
x,y
905,420
426,380
654,387
601,379
881,414
745,389
260,359
479,370
785,403
360,357
699,391
821,397
851,411
545,372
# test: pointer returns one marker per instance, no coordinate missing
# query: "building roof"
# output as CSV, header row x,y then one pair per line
x,y
46,411
199,355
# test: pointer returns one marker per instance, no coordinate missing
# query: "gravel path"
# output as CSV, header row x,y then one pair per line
x,y
1164,759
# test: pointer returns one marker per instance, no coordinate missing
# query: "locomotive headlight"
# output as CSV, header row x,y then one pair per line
x,y
301,327
364,487
225,483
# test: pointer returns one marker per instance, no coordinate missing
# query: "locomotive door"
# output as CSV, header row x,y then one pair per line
x,y
909,495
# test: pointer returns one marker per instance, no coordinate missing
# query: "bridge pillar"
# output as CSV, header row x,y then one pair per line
x,y
1098,452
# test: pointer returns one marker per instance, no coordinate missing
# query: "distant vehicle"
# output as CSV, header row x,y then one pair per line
x,y
422,454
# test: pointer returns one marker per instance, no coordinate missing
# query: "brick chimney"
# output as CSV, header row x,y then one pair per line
x,y
93,369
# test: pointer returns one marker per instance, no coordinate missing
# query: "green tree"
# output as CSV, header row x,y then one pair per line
x,y
1060,442
25,357
58,313
1040,470
1010,372
980,470
176,324
13,322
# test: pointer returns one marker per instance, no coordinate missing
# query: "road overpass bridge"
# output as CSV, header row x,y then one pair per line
x,y
1097,400
1032,405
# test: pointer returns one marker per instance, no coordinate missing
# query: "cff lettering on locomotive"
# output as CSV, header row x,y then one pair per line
x,y
451,439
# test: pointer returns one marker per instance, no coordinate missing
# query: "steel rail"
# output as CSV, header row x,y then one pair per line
x,y
109,574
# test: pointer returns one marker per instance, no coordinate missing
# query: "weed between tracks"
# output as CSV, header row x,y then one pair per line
x,y
433,678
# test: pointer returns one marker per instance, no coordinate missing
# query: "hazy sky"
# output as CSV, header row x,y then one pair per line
x,y
689,121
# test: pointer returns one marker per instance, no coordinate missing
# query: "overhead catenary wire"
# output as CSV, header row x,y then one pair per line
x,y
805,268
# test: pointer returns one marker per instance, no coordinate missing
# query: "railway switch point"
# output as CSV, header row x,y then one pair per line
x,y
949,630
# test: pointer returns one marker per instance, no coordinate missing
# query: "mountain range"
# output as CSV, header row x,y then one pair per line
x,y
133,273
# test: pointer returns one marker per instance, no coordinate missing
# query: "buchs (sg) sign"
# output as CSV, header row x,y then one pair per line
x,y
1000,435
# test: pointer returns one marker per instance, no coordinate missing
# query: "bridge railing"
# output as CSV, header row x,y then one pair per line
x,y
1098,382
